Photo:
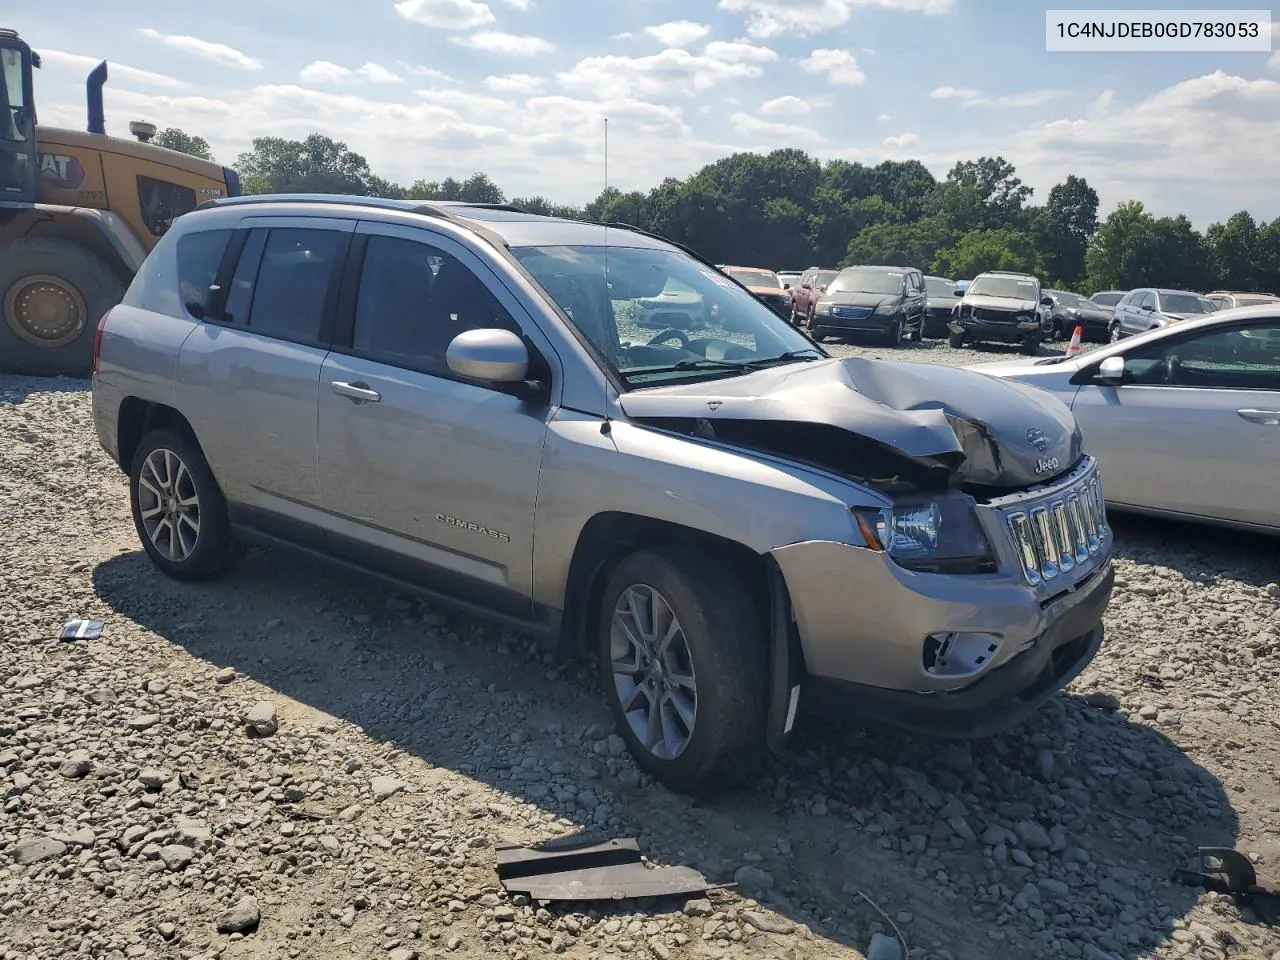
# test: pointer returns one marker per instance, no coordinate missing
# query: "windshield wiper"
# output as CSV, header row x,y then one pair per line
x,y
808,353
688,365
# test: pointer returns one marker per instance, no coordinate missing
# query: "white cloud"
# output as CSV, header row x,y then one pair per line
x,y
883,117
786,106
494,41
771,132
518,4
773,18
218,53
447,14
377,73
678,33
82,64
953,93
415,70
840,66
671,72
902,141
514,83
324,71
738,51
1034,98
624,35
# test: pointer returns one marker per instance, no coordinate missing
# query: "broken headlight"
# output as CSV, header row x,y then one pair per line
x,y
930,536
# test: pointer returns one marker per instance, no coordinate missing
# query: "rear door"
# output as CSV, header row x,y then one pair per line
x,y
249,376
1195,428
423,470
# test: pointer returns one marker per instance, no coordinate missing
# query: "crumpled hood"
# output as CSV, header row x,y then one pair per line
x,y
1007,304
972,427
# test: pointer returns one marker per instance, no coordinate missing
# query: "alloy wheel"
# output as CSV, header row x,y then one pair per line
x,y
653,673
169,505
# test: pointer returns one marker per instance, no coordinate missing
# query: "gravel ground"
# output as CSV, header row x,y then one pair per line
x,y
287,763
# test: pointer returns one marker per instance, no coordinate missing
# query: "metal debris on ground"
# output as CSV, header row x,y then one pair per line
x,y
613,870
82,630
1223,870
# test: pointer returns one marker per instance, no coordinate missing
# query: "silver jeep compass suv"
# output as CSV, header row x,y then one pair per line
x,y
732,523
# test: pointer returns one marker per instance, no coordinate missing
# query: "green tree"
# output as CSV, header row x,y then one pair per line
x,y
1236,253
1134,249
902,244
172,138
1063,229
317,164
981,250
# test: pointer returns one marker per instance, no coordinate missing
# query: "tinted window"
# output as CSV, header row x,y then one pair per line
x,y
199,255
863,280
293,283
1240,358
1107,299
240,292
414,299
161,202
755,278
940,287
1184,303
1010,288
1250,301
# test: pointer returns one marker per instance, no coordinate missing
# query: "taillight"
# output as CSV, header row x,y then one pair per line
x,y
97,340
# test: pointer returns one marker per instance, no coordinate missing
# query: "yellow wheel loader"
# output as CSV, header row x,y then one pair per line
x,y
78,213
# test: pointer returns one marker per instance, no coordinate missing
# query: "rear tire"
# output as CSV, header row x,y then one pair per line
x,y
955,340
711,680
52,294
178,509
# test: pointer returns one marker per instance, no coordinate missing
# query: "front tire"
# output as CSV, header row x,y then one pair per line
x,y
1030,346
1113,335
683,659
52,293
895,333
955,340
817,334
178,510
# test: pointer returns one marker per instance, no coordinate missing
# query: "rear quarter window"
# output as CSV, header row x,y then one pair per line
x,y
178,273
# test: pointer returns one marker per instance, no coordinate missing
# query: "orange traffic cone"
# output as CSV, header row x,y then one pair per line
x,y
1074,346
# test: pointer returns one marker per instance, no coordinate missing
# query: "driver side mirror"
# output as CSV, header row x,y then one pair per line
x,y
498,357
1110,371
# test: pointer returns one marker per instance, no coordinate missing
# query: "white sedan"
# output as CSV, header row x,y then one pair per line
x,y
1184,420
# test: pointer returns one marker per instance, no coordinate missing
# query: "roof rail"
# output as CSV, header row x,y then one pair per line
x,y
429,209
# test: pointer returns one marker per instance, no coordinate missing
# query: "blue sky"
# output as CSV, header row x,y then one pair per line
x,y
519,89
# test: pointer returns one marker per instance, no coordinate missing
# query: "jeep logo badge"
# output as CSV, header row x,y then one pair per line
x,y
1036,437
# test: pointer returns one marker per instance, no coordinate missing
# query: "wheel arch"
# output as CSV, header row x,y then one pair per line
x,y
609,537
138,418
100,233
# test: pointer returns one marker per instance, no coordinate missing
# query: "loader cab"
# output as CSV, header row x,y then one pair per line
x,y
17,121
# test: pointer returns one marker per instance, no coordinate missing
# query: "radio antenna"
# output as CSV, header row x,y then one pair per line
x,y
606,427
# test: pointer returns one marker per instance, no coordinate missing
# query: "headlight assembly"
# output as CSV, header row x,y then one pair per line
x,y
822,309
940,535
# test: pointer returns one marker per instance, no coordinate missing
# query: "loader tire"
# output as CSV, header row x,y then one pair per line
x,y
52,294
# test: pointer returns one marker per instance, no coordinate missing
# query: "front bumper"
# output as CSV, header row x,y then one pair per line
x,y
852,323
868,628
1013,331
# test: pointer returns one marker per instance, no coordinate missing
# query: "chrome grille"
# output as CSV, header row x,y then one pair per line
x,y
1061,531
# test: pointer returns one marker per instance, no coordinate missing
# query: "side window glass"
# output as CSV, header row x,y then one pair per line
x,y
414,299
293,283
1244,358
161,202
240,291
199,255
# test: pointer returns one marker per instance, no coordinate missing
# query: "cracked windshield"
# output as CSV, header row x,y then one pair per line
x,y
639,480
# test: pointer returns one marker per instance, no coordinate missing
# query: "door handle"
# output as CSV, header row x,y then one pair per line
x,y
358,391
1268,418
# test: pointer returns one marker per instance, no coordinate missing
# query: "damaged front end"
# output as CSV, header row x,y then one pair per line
x,y
901,428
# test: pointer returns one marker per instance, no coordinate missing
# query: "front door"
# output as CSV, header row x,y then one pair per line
x,y
17,126
436,475
1195,427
